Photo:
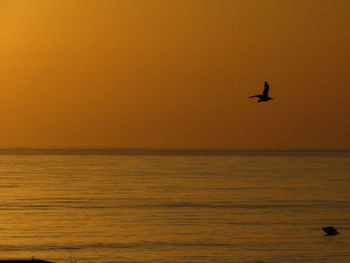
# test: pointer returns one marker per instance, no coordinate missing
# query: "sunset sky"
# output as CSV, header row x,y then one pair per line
x,y
174,73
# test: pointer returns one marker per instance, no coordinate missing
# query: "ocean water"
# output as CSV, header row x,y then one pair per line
x,y
176,206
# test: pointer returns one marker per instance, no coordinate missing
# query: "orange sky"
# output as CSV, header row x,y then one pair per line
x,y
158,73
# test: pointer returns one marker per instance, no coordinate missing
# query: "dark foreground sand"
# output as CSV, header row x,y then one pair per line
x,y
25,261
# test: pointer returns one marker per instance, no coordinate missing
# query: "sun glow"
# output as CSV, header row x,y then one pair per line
x,y
173,73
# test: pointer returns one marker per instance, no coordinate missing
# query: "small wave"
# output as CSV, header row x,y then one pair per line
x,y
139,245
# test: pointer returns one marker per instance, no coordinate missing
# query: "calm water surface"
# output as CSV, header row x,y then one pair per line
x,y
175,206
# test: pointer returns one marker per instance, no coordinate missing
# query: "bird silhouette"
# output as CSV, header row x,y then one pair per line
x,y
265,96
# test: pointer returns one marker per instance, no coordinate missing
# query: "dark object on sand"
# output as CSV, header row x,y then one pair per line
x,y
330,231
25,261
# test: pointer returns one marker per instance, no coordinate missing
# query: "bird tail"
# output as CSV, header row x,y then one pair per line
x,y
255,96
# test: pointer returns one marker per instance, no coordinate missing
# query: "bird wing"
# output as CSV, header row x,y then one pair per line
x,y
266,89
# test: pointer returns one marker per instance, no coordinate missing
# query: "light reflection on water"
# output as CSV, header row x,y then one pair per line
x,y
97,207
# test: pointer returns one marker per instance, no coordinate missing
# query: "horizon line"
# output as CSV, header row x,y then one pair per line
x,y
279,148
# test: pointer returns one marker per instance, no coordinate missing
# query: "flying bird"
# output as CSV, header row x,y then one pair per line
x,y
330,231
265,96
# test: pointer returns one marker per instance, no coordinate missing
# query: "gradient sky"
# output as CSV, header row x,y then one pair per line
x,y
174,73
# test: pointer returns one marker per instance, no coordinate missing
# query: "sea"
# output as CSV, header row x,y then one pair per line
x,y
175,205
